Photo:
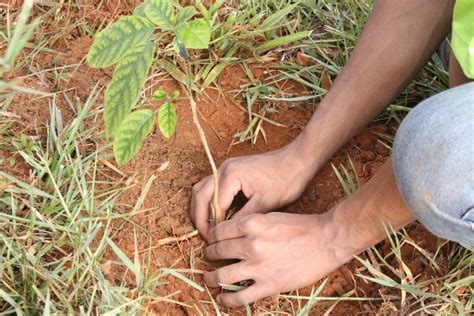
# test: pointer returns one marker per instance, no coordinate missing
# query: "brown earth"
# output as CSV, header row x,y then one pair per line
x,y
180,162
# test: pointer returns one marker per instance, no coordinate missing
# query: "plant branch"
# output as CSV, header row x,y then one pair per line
x,y
216,213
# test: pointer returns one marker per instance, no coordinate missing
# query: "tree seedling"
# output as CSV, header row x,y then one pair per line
x,y
129,43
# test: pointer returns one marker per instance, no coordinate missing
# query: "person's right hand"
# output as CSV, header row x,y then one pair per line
x,y
269,181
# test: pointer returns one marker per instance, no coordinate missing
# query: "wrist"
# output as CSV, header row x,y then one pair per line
x,y
344,240
300,154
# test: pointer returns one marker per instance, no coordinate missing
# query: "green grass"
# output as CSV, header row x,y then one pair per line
x,y
56,224
449,291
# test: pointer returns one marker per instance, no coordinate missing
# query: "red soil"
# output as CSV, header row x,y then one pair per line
x,y
166,207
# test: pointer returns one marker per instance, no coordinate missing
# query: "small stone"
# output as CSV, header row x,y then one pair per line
x,y
367,156
381,149
365,140
106,268
304,60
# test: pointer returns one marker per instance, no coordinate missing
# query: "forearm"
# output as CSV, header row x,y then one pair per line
x,y
360,220
397,41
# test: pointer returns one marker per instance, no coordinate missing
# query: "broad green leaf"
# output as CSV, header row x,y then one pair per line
x,y
116,40
185,15
131,134
195,34
140,9
161,13
127,81
167,119
282,41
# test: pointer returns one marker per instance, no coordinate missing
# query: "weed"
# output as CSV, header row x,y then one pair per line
x,y
56,223
16,41
449,291
348,182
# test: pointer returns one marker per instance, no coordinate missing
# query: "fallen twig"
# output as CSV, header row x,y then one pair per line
x,y
169,240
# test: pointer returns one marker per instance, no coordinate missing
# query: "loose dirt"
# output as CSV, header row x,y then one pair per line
x,y
180,162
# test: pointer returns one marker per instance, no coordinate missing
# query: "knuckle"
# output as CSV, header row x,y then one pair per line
x,y
230,166
252,222
255,246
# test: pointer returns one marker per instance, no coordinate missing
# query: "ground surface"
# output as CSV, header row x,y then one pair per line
x,y
180,162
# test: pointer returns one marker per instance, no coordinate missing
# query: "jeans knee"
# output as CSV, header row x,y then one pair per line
x,y
433,158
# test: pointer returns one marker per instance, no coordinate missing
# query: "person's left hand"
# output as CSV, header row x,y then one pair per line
x,y
280,252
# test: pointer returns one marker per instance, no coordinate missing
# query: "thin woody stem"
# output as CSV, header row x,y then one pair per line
x,y
216,214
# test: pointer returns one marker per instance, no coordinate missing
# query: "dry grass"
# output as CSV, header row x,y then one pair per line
x,y
55,223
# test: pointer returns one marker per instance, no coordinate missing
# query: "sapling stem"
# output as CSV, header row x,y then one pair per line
x,y
216,214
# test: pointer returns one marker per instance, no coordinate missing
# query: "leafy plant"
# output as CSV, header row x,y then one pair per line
x,y
129,44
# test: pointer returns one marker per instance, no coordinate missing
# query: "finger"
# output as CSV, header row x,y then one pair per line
x,y
226,275
246,296
227,249
226,230
229,186
200,204
195,191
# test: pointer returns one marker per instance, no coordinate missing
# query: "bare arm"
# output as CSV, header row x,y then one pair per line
x,y
282,252
398,39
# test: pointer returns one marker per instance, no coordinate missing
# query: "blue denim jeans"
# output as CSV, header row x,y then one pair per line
x,y
433,158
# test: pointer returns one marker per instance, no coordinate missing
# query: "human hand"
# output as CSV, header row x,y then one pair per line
x,y
269,181
280,252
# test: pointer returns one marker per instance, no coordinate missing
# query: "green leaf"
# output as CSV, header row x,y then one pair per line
x,y
131,134
161,13
140,9
174,95
167,119
127,81
196,34
185,15
115,41
159,95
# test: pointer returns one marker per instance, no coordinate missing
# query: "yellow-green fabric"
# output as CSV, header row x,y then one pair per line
x,y
462,42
